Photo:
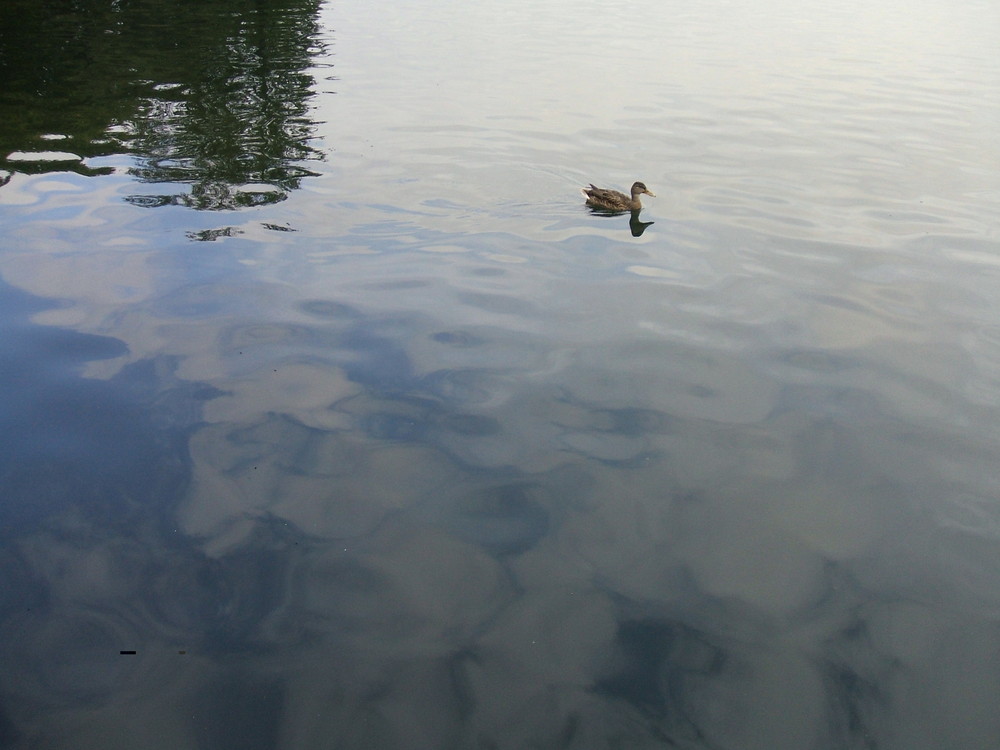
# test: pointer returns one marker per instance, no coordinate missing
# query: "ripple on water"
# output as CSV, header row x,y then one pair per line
x,y
71,657
328,309
504,519
247,336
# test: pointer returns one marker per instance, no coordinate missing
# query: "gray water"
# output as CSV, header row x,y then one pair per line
x,y
325,394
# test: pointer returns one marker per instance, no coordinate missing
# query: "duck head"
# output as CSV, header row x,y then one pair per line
x,y
638,188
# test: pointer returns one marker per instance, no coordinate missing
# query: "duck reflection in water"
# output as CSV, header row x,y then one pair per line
x,y
613,202
637,227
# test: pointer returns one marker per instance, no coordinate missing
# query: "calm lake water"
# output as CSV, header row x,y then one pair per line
x,y
332,418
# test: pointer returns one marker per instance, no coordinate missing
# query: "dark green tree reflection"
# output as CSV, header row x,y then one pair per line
x,y
212,94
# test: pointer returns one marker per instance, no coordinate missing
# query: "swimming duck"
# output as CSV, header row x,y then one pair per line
x,y
612,200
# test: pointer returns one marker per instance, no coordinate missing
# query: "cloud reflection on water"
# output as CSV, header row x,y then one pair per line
x,y
405,529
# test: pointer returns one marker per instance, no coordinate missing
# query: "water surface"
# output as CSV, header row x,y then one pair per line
x,y
326,396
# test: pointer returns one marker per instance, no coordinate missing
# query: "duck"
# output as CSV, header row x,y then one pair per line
x,y
612,200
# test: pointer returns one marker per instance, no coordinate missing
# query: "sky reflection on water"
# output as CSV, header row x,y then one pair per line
x,y
361,431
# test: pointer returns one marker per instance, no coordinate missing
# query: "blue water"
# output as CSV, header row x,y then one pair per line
x,y
325,394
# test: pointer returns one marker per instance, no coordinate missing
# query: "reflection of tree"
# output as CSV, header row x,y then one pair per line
x,y
212,94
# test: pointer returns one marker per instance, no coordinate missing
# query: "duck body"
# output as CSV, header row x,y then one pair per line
x,y
612,200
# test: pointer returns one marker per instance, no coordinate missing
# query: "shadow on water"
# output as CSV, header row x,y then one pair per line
x,y
212,95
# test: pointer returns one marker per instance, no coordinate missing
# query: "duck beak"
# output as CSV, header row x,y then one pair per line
x,y
649,192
